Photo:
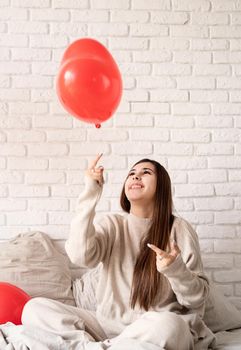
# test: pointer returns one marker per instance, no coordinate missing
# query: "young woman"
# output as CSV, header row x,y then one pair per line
x,y
151,287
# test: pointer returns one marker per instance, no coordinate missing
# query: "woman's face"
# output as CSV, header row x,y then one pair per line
x,y
140,186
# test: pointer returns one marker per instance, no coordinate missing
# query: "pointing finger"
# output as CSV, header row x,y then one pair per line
x,y
94,162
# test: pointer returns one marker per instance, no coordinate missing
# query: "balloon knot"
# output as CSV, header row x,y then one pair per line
x,y
97,126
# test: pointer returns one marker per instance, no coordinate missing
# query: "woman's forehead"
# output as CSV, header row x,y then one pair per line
x,y
144,165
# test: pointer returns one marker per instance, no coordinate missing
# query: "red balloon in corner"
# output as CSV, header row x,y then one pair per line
x,y
12,301
89,83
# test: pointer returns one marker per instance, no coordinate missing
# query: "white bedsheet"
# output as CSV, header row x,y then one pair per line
x,y
230,340
20,338
14,337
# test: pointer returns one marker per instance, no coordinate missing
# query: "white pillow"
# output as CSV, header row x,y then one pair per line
x,y
31,262
84,289
220,314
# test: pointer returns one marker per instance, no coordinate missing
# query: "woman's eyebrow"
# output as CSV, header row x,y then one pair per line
x,y
142,169
148,169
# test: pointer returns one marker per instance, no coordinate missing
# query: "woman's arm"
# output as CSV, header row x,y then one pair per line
x,y
87,245
186,273
185,270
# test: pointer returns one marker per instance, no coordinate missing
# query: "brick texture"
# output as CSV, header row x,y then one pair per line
x,y
181,104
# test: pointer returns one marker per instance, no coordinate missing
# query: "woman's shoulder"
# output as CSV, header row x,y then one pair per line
x,y
182,227
181,222
114,219
111,224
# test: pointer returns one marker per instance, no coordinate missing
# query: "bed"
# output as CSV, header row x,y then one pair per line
x,y
35,263
229,340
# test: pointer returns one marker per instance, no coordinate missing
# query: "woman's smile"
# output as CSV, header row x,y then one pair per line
x,y
136,186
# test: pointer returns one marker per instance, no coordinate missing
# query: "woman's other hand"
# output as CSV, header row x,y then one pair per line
x,y
163,258
96,172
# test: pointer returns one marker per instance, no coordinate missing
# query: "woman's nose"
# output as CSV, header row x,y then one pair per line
x,y
136,177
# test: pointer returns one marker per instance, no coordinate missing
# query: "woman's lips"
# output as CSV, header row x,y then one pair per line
x,y
135,186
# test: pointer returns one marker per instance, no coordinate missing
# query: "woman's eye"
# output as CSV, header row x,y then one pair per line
x,y
146,172
131,174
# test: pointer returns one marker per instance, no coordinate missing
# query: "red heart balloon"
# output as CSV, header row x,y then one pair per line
x,y
12,301
89,83
88,48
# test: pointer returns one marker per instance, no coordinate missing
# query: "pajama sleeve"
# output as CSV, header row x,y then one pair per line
x,y
185,274
88,244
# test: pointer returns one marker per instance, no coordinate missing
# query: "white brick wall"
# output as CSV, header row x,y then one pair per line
x,y
181,104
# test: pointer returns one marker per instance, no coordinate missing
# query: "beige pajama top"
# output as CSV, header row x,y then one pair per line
x,y
115,241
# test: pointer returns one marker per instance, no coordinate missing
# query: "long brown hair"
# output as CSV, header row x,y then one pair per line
x,y
146,278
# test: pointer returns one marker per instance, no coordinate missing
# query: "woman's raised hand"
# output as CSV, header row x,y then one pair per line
x,y
94,171
163,258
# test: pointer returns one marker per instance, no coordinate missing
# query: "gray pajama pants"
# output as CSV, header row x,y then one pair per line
x,y
165,330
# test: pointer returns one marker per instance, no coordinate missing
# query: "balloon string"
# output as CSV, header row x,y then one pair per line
x,y
97,126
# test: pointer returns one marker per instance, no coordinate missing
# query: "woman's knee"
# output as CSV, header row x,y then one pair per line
x,y
171,321
34,307
173,331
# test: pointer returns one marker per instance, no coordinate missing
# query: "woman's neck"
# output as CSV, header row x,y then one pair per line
x,y
142,212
